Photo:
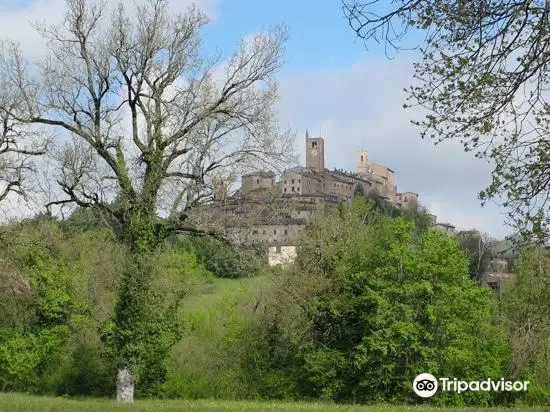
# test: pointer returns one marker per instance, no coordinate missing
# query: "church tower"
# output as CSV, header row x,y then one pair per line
x,y
315,153
363,162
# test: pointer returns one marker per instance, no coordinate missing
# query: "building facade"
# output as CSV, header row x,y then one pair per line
x,y
274,213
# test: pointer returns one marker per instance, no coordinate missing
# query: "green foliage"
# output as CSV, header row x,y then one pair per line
x,y
27,357
68,280
84,220
419,215
381,205
370,303
233,347
525,307
205,364
359,191
391,308
85,370
34,333
224,260
145,324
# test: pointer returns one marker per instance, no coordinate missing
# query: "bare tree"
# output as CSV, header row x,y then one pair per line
x,y
483,77
149,122
481,250
19,143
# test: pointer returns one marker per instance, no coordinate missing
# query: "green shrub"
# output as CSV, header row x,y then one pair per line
x,y
225,260
390,306
27,358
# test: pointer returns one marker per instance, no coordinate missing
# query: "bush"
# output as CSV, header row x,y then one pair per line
x,y
27,358
224,260
389,306
85,371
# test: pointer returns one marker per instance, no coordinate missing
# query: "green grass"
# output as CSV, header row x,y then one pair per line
x,y
27,403
207,295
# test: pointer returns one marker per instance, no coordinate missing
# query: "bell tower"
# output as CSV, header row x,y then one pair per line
x,y
315,153
363,162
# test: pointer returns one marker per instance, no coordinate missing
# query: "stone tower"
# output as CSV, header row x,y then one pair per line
x,y
363,162
315,153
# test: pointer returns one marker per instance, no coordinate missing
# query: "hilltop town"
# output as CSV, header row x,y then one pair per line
x,y
302,190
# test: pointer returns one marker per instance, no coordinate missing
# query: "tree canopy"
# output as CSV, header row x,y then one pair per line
x,y
147,122
483,77
386,305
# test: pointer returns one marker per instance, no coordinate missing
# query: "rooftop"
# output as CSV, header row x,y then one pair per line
x,y
261,173
445,224
385,167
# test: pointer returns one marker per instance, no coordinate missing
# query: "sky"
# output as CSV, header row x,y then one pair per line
x,y
337,89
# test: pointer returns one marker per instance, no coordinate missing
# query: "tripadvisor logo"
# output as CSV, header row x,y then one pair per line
x,y
426,385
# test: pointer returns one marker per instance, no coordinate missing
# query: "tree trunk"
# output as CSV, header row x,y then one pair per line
x,y
125,386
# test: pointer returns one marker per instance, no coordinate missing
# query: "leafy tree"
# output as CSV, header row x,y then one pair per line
x,y
151,122
39,306
83,220
227,260
419,215
359,191
482,76
525,305
387,307
382,205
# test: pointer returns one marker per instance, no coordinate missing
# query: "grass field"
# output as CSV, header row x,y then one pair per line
x,y
203,308
207,295
28,403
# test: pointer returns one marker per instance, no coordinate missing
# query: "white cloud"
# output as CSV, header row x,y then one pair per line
x,y
15,22
352,108
362,107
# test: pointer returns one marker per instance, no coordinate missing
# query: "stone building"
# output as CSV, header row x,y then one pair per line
x,y
406,198
256,183
446,228
315,153
315,179
274,213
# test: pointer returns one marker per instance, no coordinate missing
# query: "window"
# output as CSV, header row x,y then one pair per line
x,y
298,188
254,232
286,232
293,188
257,181
292,181
361,158
313,145
263,232
274,231
299,180
285,190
